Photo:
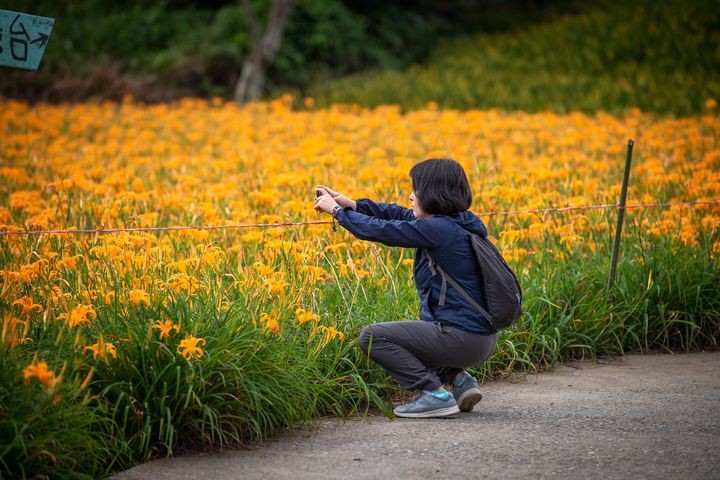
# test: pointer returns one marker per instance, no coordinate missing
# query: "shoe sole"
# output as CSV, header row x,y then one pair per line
x,y
469,399
440,412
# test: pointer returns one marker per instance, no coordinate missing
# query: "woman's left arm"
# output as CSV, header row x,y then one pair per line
x,y
419,233
386,211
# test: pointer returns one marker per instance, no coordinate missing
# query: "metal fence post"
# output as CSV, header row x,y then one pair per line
x,y
621,214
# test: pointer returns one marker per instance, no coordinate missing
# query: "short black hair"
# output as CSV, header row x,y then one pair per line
x,y
441,186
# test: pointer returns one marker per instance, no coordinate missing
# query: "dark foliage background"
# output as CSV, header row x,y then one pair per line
x,y
157,51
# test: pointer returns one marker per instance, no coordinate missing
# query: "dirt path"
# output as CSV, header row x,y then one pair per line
x,y
638,416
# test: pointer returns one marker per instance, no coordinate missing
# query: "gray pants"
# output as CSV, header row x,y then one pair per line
x,y
424,355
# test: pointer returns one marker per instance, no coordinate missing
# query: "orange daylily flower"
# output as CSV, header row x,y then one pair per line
x,y
79,315
136,297
166,327
28,306
39,369
102,350
270,322
189,347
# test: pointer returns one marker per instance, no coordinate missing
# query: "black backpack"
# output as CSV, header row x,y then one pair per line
x,y
500,287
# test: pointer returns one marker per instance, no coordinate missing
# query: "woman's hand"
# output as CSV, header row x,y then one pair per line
x,y
339,198
325,202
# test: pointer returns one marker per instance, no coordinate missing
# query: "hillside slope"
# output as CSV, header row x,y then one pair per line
x,y
658,56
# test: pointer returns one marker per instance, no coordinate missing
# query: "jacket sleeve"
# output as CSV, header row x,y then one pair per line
x,y
416,233
386,211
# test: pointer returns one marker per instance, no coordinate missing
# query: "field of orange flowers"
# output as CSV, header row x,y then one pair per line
x,y
134,343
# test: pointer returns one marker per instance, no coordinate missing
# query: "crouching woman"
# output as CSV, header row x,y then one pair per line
x,y
451,335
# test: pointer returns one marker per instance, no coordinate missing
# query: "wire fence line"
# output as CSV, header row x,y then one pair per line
x,y
603,206
73,231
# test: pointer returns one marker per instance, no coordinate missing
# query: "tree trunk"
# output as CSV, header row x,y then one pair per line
x,y
264,47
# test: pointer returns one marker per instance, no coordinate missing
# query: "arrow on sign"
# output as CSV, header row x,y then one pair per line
x,y
42,38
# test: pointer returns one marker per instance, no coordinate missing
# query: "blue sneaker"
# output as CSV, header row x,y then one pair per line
x,y
466,391
428,405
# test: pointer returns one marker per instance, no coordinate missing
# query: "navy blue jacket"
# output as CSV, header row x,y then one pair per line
x,y
447,240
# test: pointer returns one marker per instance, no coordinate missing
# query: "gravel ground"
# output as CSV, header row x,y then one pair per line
x,y
637,416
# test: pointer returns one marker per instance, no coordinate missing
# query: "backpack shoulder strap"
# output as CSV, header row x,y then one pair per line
x,y
435,269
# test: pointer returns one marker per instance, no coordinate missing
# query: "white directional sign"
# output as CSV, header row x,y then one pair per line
x,y
23,39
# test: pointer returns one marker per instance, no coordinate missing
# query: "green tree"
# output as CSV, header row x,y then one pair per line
x,y
264,46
